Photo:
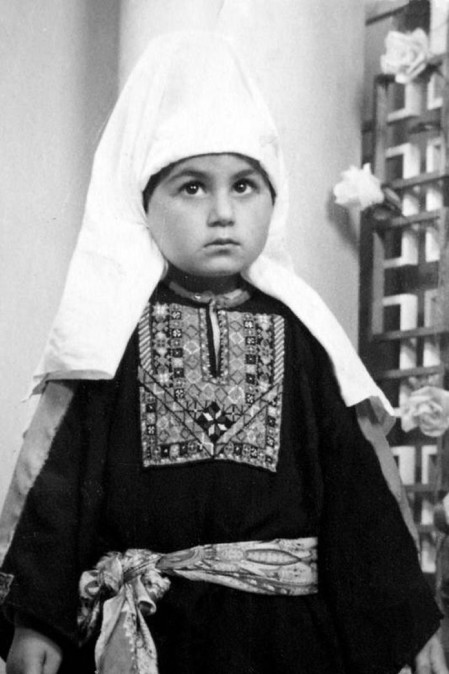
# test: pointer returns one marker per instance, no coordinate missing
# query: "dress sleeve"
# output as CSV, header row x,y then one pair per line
x,y
368,562
46,538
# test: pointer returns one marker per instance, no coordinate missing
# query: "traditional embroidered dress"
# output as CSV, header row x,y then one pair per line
x,y
182,450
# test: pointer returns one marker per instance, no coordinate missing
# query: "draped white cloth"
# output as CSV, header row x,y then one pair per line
x,y
188,95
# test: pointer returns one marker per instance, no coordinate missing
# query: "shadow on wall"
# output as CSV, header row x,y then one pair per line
x,y
344,222
101,53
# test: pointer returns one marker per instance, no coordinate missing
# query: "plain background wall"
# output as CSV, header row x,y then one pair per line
x,y
60,65
58,73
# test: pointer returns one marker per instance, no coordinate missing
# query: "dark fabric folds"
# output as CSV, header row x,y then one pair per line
x,y
372,592
382,605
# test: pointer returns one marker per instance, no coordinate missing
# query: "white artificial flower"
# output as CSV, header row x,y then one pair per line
x,y
359,188
428,409
407,55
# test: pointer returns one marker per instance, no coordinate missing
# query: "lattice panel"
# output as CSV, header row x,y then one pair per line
x,y
404,315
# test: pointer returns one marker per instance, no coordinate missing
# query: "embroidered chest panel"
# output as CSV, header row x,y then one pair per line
x,y
188,414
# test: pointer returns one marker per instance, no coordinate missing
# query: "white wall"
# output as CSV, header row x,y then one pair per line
x,y
58,73
58,68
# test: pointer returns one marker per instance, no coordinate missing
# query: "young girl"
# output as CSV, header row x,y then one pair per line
x,y
193,450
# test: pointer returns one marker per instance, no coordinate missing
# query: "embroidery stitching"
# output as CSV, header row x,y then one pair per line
x,y
187,414
5,583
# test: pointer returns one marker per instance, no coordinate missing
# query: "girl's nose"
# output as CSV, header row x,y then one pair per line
x,y
221,212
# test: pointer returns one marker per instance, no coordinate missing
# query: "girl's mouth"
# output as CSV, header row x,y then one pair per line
x,y
222,242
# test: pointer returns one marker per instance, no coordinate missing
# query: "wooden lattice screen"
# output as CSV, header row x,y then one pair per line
x,y
404,288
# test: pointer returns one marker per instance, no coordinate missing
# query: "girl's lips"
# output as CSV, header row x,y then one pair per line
x,y
222,242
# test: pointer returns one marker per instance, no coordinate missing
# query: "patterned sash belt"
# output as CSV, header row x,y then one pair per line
x,y
124,588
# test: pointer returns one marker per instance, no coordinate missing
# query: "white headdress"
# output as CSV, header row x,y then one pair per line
x,y
188,95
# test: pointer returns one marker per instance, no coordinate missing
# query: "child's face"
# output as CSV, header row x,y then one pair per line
x,y
210,215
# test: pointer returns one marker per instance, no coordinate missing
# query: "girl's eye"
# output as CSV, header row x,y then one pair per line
x,y
243,186
191,188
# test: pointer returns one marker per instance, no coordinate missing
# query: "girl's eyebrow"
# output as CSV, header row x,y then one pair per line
x,y
186,173
247,172
198,174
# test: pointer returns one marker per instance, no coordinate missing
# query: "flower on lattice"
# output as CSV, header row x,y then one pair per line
x,y
426,408
407,55
358,188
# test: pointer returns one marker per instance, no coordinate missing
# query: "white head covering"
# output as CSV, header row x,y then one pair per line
x,y
188,95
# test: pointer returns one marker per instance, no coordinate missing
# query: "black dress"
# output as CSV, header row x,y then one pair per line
x,y
180,450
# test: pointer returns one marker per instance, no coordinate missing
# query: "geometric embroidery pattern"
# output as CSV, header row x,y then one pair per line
x,y
187,413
